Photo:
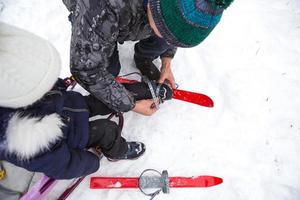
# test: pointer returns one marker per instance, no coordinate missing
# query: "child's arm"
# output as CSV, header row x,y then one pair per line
x,y
65,163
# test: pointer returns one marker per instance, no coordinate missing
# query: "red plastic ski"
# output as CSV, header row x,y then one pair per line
x,y
133,182
192,97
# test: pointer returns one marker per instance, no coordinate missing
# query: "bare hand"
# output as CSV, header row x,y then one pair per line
x,y
145,107
166,73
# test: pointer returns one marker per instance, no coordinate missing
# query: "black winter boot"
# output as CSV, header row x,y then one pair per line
x,y
147,68
141,90
135,150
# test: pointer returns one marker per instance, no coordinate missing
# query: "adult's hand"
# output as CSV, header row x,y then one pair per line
x,y
166,73
145,107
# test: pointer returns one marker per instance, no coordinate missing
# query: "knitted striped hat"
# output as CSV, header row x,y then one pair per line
x,y
186,23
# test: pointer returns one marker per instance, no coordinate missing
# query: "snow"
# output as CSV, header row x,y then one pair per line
x,y
249,65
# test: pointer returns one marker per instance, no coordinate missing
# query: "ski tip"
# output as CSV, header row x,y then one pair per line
x,y
205,101
210,103
192,97
195,181
217,181
209,181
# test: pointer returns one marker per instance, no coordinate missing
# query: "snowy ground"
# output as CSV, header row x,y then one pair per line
x,y
249,65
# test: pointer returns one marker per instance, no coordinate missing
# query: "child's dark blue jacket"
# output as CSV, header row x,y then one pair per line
x,y
49,136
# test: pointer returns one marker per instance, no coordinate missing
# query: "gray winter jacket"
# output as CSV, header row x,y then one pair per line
x,y
97,27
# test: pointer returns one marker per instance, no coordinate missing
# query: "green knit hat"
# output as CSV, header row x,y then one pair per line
x,y
186,23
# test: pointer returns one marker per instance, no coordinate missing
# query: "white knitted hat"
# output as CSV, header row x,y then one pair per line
x,y
29,67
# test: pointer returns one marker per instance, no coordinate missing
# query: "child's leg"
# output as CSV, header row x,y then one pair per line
x,y
106,134
96,107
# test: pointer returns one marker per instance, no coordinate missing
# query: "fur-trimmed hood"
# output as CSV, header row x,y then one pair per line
x,y
49,136
26,136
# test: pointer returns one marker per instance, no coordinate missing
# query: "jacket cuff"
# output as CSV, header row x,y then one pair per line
x,y
170,53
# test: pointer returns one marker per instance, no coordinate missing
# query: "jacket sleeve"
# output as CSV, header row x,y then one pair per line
x,y
94,38
64,163
76,164
170,53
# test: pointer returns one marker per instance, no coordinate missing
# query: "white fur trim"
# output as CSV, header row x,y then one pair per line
x,y
26,136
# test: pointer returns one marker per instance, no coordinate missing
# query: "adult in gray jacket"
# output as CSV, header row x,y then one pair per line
x,y
159,25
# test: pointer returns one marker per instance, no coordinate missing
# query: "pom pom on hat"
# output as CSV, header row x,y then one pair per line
x,y
29,67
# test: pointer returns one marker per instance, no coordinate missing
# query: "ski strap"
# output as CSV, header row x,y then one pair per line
x,y
154,94
154,194
120,116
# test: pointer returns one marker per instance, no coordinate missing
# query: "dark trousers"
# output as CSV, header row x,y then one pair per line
x,y
149,48
104,133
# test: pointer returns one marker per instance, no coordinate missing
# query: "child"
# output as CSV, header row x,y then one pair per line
x,y
43,127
